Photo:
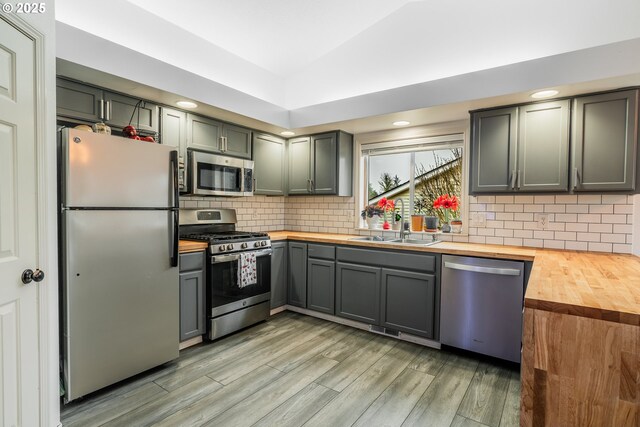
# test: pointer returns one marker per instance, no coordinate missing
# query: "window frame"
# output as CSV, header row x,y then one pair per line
x,y
408,137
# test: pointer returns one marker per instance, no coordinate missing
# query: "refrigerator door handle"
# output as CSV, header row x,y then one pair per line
x,y
176,238
173,160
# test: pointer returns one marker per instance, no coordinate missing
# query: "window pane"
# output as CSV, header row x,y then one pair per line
x,y
388,174
438,172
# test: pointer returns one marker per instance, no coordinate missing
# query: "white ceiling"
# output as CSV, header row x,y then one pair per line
x,y
331,60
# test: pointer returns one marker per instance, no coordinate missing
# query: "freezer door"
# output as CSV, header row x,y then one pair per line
x,y
109,171
120,296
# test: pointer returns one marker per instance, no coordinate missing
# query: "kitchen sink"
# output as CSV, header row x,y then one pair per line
x,y
372,239
414,242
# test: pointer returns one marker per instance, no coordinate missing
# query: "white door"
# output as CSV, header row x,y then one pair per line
x,y
19,367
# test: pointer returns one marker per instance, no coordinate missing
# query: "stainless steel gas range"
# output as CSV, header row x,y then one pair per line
x,y
233,302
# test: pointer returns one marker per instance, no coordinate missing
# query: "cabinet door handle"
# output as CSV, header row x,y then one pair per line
x,y
518,180
108,111
513,179
226,144
576,178
308,185
102,109
221,143
312,188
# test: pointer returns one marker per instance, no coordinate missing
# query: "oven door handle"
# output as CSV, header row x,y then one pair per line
x,y
235,257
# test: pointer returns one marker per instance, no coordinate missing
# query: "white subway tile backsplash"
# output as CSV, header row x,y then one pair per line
x,y
504,199
622,228
567,199
505,216
523,216
486,199
590,218
494,241
588,237
576,246
504,232
614,219
523,199
615,199
576,227
613,238
577,209
533,208
589,199
533,242
600,247
566,217
554,208
600,228
622,249
514,208
523,234
513,241
554,244
540,200
623,209
543,234
565,235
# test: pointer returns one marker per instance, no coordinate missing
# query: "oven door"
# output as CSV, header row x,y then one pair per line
x,y
213,175
223,293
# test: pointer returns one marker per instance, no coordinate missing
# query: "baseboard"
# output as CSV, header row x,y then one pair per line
x,y
190,342
364,326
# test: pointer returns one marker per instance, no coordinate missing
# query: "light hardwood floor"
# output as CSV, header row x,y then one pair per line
x,y
296,370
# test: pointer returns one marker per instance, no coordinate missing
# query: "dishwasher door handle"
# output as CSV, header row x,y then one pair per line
x,y
478,269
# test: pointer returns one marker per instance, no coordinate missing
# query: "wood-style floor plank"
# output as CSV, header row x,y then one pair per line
x,y
485,397
511,411
346,408
268,398
396,402
167,404
439,404
295,370
359,361
216,403
297,410
460,421
110,409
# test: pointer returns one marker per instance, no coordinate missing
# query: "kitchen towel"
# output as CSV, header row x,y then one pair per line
x,y
247,274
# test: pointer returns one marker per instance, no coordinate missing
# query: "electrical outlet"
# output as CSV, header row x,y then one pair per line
x,y
543,221
478,219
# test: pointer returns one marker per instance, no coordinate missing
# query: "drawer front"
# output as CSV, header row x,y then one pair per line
x,y
192,261
398,260
322,251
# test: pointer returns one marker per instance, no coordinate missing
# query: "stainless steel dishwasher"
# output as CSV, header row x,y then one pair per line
x,y
481,305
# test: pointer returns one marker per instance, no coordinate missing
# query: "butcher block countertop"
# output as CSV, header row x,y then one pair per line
x,y
586,284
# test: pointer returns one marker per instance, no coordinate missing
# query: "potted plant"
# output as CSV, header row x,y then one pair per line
x,y
372,214
387,206
397,225
456,223
447,204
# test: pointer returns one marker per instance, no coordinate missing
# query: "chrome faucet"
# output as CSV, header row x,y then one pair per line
x,y
404,233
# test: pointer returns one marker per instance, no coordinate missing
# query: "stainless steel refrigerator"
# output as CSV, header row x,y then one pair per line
x,y
119,243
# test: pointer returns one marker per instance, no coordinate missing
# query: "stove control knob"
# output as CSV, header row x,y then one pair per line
x,y
263,243
222,248
243,246
256,244
229,247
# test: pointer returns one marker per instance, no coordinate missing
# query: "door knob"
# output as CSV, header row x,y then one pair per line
x,y
29,275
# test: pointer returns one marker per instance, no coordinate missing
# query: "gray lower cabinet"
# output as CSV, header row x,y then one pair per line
x,y
408,302
206,134
192,296
521,149
358,292
279,274
321,164
269,165
605,139
297,286
321,275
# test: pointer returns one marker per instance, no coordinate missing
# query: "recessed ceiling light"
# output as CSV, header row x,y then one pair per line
x,y
287,133
401,123
186,104
544,94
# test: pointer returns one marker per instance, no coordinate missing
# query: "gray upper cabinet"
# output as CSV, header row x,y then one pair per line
x,y
493,146
204,133
358,292
324,173
321,164
297,286
192,299
408,302
173,132
123,110
79,101
83,102
543,147
279,274
269,165
605,138
236,141
300,166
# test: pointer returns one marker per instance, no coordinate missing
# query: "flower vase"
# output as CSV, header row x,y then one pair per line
x,y
372,222
396,226
446,228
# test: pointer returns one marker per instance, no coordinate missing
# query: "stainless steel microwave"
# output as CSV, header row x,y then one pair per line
x,y
212,175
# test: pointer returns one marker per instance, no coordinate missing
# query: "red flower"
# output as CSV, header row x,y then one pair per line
x,y
382,203
446,202
386,205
